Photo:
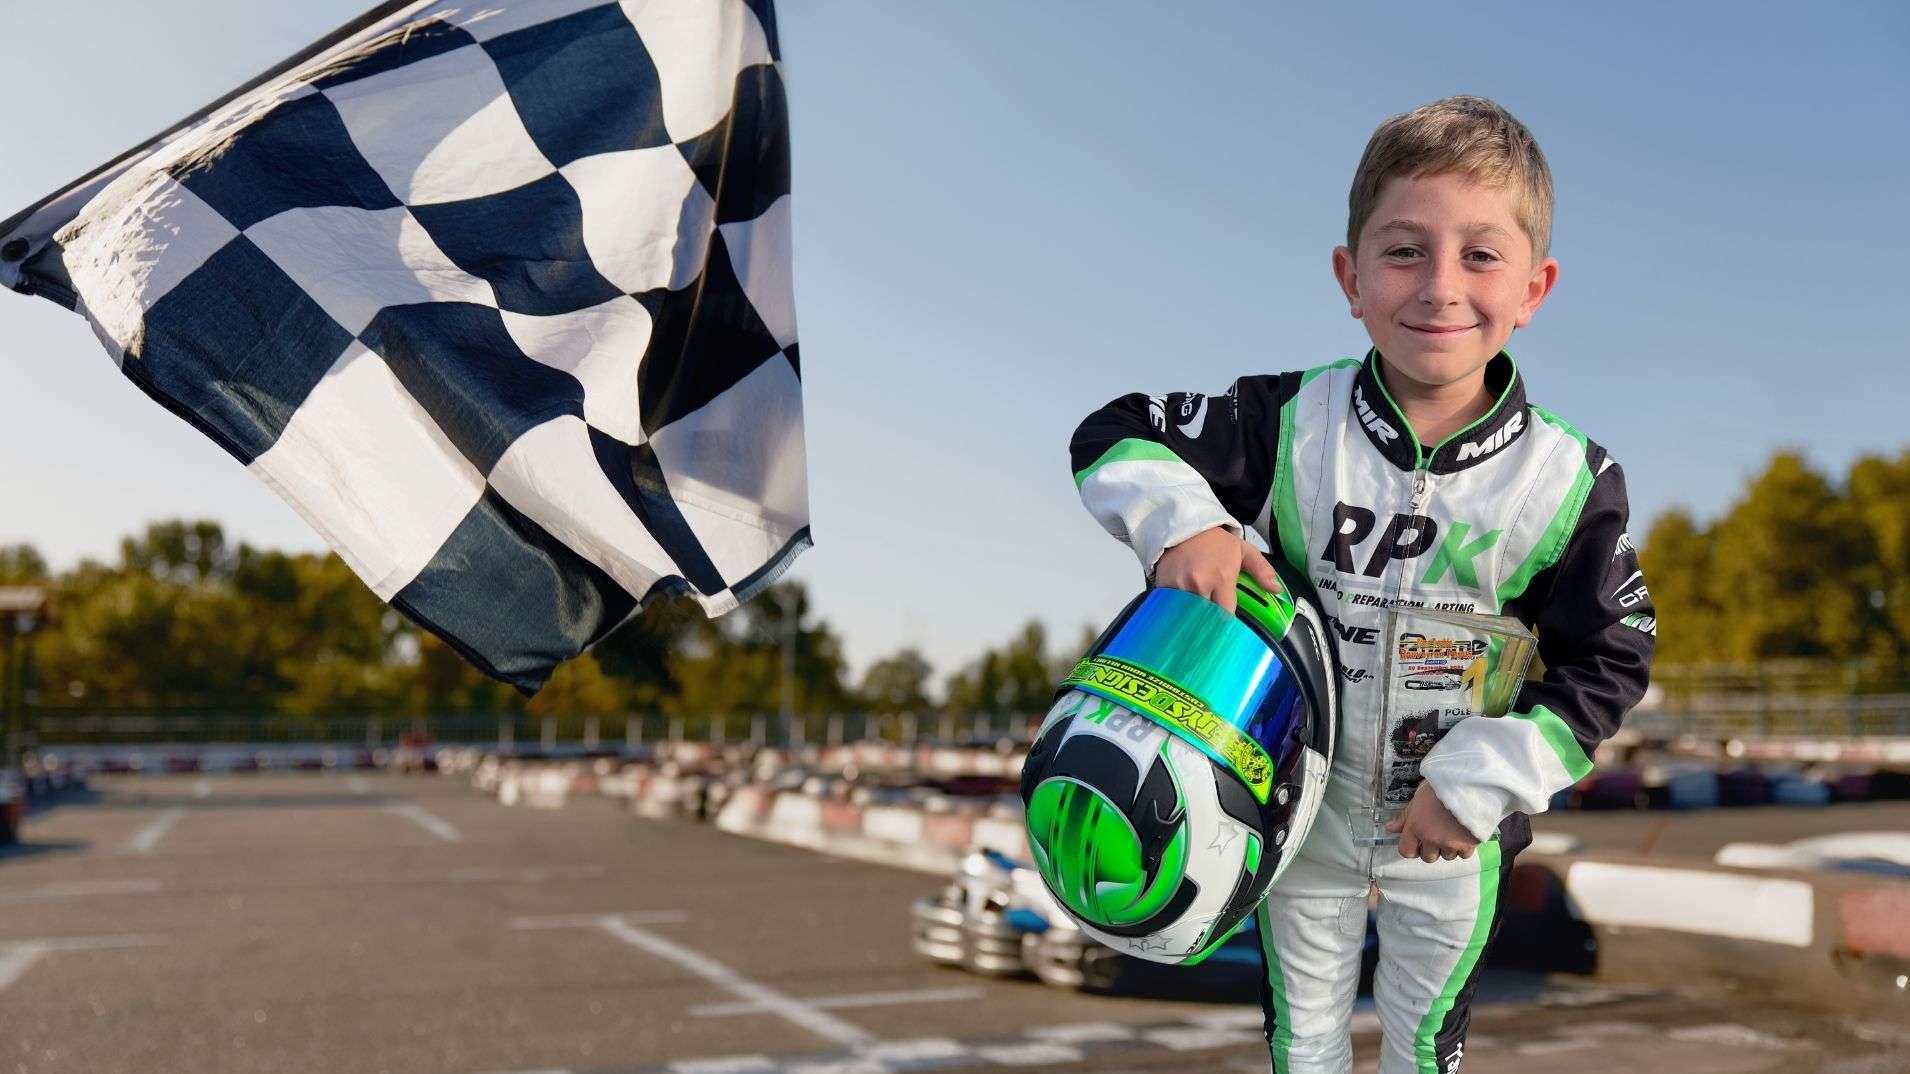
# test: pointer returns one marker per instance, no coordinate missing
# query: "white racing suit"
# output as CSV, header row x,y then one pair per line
x,y
1517,514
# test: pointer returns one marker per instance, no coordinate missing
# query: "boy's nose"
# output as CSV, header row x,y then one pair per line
x,y
1440,287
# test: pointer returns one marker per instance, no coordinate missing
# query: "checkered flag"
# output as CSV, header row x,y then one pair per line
x,y
496,295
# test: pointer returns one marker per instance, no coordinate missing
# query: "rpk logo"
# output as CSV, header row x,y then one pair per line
x,y
1405,537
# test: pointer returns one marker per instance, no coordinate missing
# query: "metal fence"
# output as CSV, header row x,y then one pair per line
x,y
1774,698
1777,715
1819,698
515,732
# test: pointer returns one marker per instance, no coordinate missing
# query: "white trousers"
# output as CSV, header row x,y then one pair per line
x,y
1435,923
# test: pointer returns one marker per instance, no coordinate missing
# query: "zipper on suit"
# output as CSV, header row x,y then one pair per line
x,y
1395,593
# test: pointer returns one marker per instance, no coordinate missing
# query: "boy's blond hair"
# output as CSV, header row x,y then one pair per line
x,y
1471,136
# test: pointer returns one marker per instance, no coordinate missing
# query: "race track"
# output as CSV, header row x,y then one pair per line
x,y
367,922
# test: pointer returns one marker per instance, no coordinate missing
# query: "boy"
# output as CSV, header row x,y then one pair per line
x,y
1418,475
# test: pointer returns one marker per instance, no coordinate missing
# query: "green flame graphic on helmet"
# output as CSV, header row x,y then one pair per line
x,y
1087,850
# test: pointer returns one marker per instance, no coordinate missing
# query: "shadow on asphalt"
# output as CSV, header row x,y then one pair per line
x,y
61,799
1174,984
35,850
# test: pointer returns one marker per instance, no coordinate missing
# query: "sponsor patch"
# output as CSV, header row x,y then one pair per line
x,y
1177,710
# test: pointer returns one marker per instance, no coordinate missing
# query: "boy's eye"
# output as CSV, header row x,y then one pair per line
x,y
1482,256
1402,252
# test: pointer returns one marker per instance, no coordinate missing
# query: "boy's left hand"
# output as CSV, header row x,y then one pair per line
x,y
1428,832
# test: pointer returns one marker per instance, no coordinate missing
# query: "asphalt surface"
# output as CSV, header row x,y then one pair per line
x,y
347,923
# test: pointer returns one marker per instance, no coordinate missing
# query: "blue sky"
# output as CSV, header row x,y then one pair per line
x,y
1008,213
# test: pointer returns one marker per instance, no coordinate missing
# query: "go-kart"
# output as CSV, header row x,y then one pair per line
x,y
997,918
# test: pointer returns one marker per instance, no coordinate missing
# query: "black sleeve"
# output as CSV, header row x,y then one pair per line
x,y
1228,441
1596,628
1594,619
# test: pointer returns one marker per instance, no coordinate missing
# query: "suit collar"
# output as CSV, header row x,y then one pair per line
x,y
1387,430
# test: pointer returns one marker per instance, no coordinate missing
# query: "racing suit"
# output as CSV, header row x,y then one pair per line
x,y
1516,514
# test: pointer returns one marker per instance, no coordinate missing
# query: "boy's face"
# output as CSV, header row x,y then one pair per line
x,y
1443,275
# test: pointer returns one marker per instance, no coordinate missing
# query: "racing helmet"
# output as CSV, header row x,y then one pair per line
x,y
1181,765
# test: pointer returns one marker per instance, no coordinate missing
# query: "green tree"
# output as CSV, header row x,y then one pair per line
x,y
579,688
1676,558
1016,679
897,683
734,664
1879,495
1788,562
637,654
21,564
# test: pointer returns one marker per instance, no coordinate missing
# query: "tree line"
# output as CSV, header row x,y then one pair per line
x,y
188,620
1801,566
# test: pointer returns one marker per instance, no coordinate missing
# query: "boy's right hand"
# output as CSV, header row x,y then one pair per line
x,y
1210,563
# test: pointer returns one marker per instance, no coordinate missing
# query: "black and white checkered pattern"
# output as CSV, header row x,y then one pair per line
x,y
497,296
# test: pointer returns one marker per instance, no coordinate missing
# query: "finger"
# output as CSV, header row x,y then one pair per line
x,y
1447,854
1258,568
1171,575
1223,595
1466,851
1396,824
1408,844
1428,853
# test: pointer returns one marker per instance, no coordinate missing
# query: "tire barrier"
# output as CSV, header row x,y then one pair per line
x,y
38,783
926,841
1808,923
13,807
1817,937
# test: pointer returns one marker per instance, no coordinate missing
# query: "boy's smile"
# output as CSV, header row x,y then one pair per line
x,y
1443,275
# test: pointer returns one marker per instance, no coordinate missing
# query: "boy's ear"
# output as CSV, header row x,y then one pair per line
x,y
1349,277
1544,278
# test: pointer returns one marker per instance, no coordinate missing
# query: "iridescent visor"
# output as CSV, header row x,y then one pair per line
x,y
1203,674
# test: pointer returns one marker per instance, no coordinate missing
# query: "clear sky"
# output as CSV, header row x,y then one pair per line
x,y
1009,213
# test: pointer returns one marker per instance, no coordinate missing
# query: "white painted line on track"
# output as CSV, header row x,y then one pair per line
x,y
1029,1055
838,1066
1082,1033
789,1008
100,943
591,921
202,789
1193,1040
80,888
19,956
921,1049
864,999
357,785
423,818
15,961
1729,1034
1228,1018
727,1064
151,834
77,889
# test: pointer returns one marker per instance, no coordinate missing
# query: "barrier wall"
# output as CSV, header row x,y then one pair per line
x,y
1839,940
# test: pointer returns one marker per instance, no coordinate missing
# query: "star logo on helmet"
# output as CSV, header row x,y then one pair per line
x,y
1156,942
1224,838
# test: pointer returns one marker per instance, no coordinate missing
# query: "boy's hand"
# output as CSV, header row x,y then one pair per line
x,y
1210,563
1428,832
